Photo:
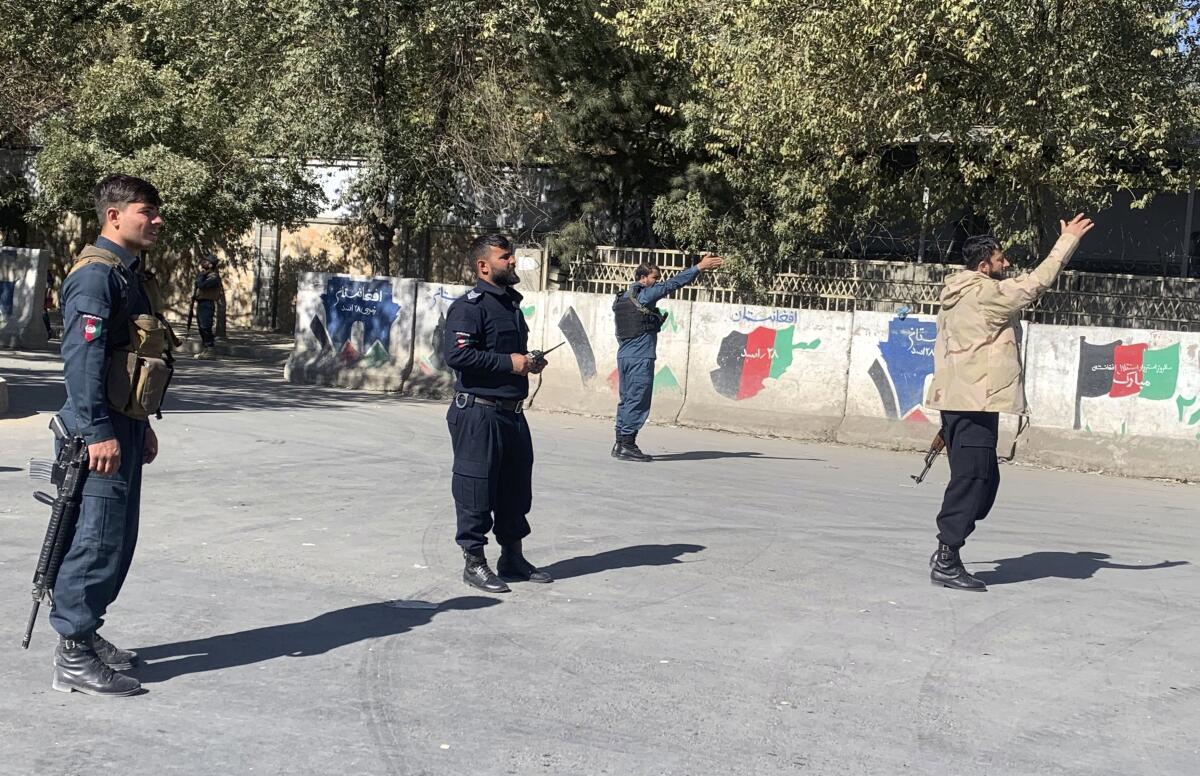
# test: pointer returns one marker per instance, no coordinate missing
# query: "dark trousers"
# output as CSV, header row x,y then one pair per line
x,y
974,473
95,566
493,473
206,316
637,390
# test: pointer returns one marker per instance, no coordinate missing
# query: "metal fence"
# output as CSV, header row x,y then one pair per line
x,y
846,285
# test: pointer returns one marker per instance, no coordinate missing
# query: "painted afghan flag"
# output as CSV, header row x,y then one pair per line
x,y
745,361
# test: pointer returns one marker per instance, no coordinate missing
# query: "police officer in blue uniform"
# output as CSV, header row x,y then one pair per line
x,y
100,297
486,343
638,322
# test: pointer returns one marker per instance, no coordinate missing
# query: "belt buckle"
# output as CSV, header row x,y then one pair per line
x,y
518,407
460,400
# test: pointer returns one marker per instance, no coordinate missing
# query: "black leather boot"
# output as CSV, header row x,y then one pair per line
x,y
478,574
513,565
627,449
113,656
77,668
947,570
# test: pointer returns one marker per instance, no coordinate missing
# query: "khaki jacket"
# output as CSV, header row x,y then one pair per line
x,y
977,358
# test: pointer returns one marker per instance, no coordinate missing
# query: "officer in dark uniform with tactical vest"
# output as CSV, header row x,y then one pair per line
x,y
206,295
117,362
638,322
487,344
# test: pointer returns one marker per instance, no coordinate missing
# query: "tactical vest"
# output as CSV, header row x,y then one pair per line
x,y
208,294
139,369
634,318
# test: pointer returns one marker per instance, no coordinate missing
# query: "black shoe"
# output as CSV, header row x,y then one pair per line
x,y
513,565
478,574
947,570
77,668
113,656
627,450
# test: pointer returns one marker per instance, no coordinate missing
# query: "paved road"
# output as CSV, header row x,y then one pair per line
x,y
740,606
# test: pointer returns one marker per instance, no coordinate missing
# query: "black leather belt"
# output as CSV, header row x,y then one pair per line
x,y
464,400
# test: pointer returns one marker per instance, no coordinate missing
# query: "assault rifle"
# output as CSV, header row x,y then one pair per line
x,y
67,473
936,446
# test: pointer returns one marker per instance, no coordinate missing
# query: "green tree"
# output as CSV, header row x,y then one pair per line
x,y
606,125
823,121
421,93
171,91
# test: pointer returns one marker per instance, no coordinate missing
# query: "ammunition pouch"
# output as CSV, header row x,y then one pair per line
x,y
138,375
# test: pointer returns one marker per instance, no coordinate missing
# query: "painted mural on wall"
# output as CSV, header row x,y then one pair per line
x,y
905,362
664,380
7,292
580,344
745,360
1132,371
358,321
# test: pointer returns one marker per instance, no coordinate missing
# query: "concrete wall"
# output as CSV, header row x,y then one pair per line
x,y
22,291
1116,400
582,376
429,375
767,370
353,332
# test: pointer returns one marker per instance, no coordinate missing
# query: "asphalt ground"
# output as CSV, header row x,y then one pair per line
x,y
739,606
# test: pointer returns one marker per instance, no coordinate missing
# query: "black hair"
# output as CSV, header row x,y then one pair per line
x,y
645,270
479,246
979,249
119,190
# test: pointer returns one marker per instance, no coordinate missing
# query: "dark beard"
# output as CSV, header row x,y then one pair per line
x,y
505,277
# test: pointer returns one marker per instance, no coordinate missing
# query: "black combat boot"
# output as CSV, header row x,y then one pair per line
x,y
77,668
113,656
513,565
478,574
947,570
627,449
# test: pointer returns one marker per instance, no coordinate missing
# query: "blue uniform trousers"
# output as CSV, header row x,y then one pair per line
x,y
493,472
637,390
206,315
101,550
974,473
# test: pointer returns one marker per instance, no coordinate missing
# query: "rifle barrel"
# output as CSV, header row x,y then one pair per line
x,y
37,602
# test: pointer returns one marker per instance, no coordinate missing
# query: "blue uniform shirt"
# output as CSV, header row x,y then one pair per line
x,y
97,301
483,327
645,345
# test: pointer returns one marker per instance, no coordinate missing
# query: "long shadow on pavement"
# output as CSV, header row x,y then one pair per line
x,y
317,636
626,557
1061,565
708,455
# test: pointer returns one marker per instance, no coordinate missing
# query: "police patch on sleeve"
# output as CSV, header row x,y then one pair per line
x,y
464,339
473,295
93,325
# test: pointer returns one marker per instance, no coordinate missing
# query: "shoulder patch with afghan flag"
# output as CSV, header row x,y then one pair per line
x,y
93,325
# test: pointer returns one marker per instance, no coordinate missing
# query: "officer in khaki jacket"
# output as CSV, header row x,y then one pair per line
x,y
977,375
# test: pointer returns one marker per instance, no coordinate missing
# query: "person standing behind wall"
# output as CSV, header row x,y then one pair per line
x,y
638,322
206,295
977,374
